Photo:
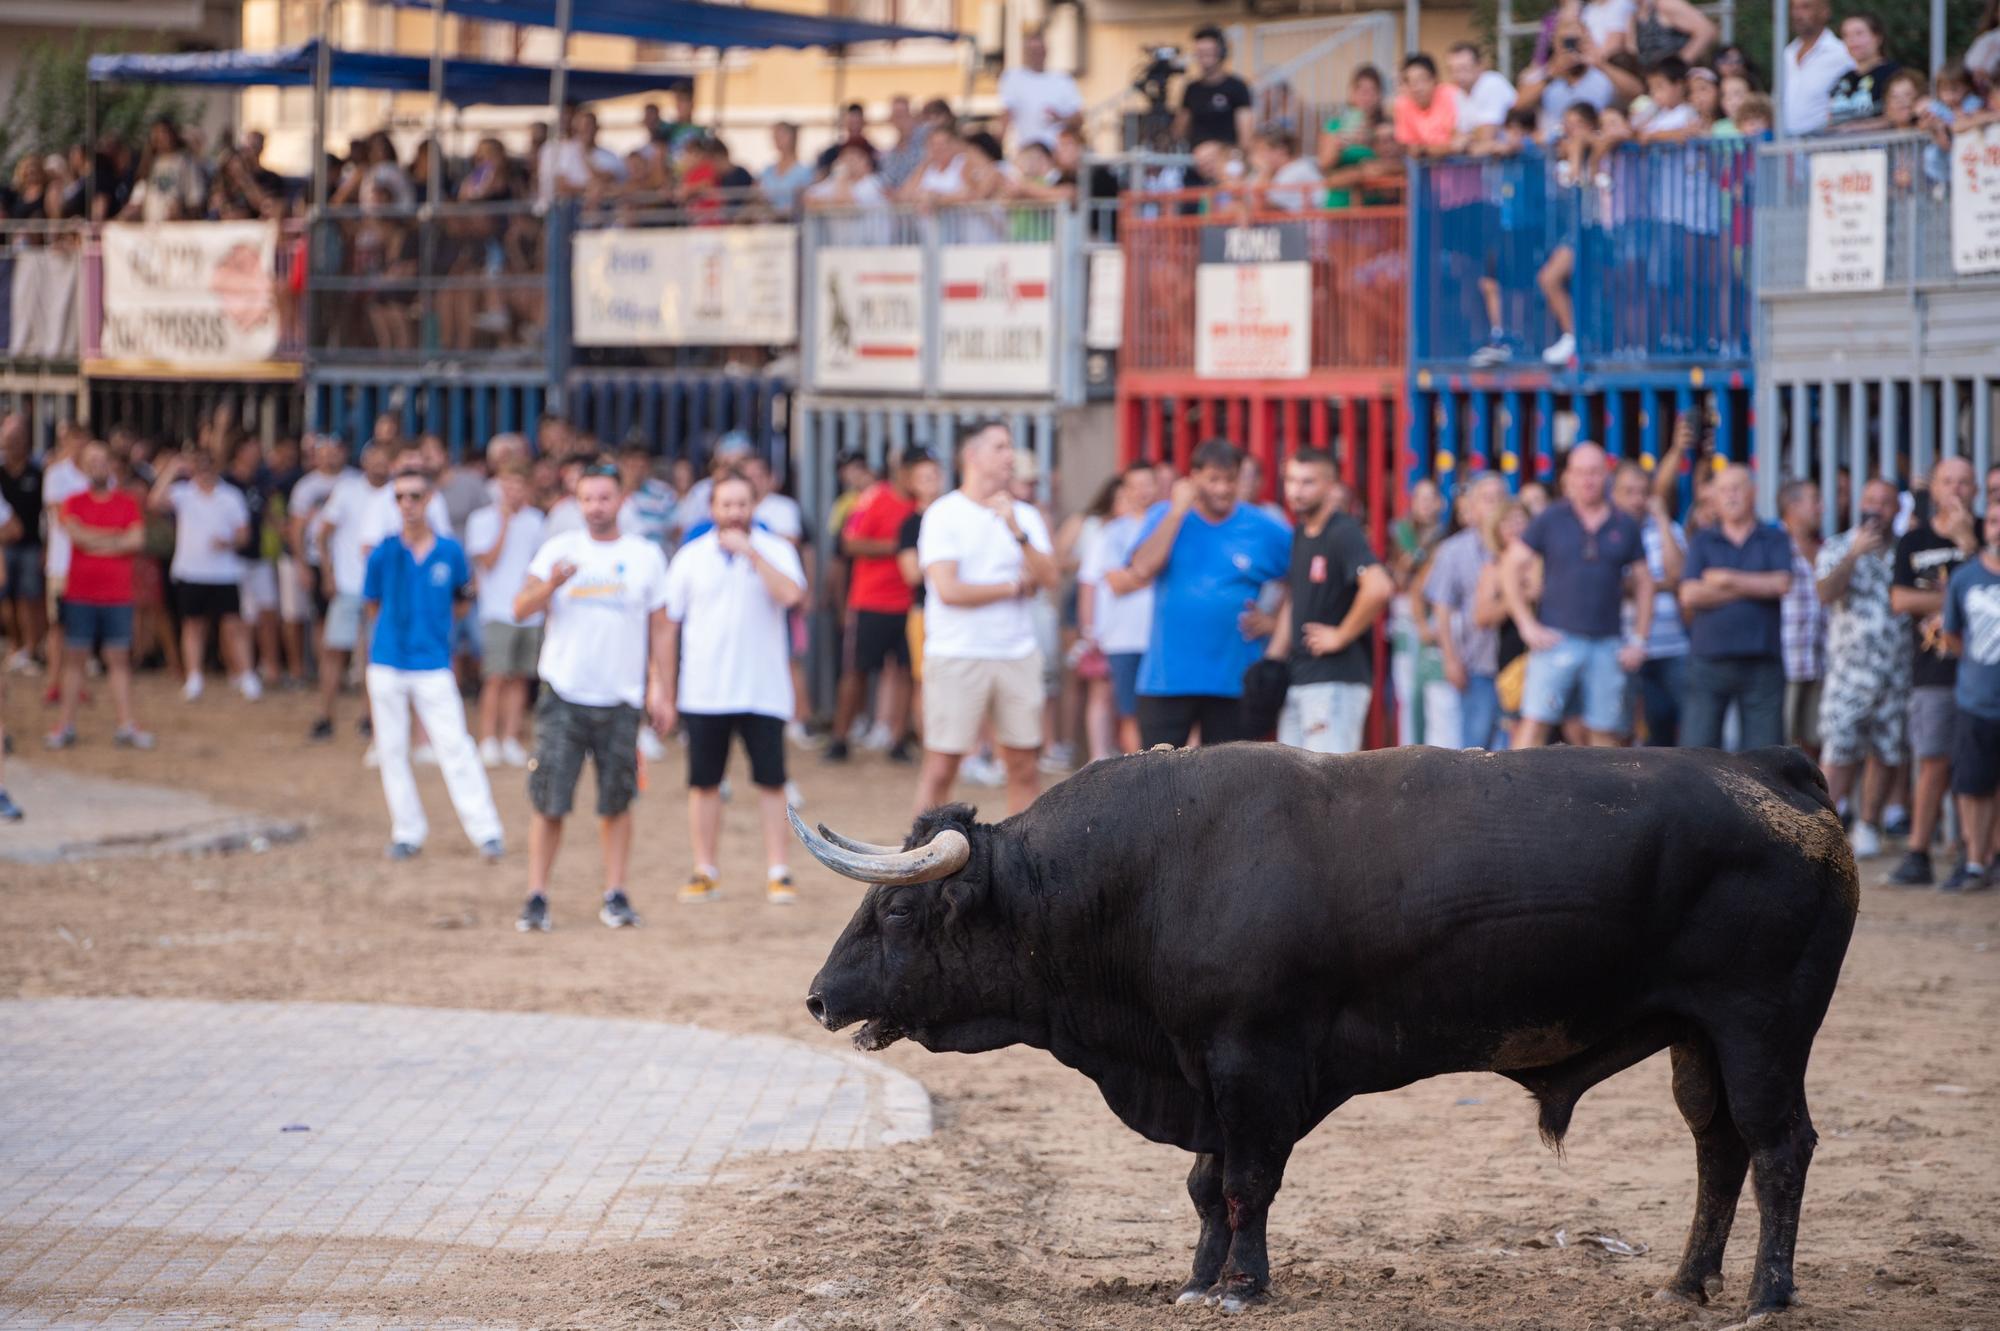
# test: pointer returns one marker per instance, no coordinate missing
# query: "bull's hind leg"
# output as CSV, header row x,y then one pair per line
x,y
1721,1160
1212,1248
1765,1089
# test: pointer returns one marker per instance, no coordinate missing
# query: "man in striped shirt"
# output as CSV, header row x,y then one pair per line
x,y
1662,677
1802,619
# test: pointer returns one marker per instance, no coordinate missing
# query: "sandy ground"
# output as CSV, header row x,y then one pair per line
x,y
1431,1208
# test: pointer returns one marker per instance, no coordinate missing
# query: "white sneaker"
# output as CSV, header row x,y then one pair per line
x,y
512,754
1561,351
251,687
1867,841
489,752
794,797
878,739
192,689
981,770
22,662
800,737
857,734
424,756
370,758
650,747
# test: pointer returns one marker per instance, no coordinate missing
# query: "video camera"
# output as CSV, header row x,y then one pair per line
x,y
1161,64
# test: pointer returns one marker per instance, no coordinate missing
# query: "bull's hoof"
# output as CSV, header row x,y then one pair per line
x,y
1761,1319
1193,1292
1689,1293
1235,1294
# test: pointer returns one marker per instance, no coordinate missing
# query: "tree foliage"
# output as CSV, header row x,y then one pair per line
x,y
45,110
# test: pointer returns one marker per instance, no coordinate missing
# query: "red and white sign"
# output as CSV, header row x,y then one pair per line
x,y
868,318
190,293
996,319
1975,201
1252,320
1847,221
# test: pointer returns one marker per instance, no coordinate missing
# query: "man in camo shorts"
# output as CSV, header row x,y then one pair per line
x,y
1867,662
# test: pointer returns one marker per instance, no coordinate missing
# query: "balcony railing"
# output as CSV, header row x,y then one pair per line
x,y
1660,238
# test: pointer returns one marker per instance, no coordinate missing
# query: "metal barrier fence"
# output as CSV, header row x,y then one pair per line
x,y
1660,237
681,413
172,410
1917,249
962,299
1355,255
465,411
1515,424
452,282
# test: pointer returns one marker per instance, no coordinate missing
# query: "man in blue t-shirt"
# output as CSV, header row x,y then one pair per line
x,y
1207,557
1972,633
412,585
1736,574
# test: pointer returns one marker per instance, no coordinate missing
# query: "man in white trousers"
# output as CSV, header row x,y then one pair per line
x,y
412,583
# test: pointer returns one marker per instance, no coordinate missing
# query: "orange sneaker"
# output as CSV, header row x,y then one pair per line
x,y
699,887
779,891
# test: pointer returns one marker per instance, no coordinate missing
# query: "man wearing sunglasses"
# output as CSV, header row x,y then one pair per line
x,y
412,585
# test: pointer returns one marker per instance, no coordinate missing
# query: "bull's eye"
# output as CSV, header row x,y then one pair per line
x,y
898,914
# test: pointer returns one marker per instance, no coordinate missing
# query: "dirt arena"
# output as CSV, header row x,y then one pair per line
x,y
1435,1207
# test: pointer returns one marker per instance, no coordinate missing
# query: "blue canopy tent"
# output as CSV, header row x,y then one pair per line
x,y
691,22
687,22
466,82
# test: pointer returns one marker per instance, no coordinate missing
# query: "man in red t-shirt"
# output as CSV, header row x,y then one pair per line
x,y
878,608
106,530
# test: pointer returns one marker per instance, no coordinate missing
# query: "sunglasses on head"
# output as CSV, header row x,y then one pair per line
x,y
608,470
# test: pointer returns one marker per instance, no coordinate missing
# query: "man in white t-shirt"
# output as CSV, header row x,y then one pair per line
x,y
984,555
1814,61
604,641
339,532
571,167
1037,101
1275,154
210,522
1484,95
728,594
500,539
62,478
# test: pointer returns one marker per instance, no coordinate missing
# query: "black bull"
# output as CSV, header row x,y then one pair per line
x,y
1233,941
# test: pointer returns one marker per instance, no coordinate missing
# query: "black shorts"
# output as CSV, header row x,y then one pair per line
x,y
1170,720
206,600
564,733
1975,755
708,747
874,638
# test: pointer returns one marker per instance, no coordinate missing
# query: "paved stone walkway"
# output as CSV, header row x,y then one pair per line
x,y
160,1157
77,817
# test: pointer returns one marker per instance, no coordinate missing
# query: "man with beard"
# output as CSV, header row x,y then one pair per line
x,y
1926,556
604,595
106,530
728,592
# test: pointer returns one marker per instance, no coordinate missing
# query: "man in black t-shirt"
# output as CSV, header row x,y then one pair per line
x,y
1925,557
21,492
1216,105
1337,590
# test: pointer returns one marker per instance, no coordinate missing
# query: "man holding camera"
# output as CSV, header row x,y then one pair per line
x,y
1867,664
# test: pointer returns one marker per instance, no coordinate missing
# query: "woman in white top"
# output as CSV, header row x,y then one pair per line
x,y
942,179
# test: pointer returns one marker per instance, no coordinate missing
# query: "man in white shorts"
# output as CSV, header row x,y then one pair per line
x,y
984,555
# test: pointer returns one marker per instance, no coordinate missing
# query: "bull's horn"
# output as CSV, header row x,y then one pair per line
x,y
945,854
858,847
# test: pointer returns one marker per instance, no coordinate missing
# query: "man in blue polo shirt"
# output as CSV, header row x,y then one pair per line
x,y
414,580
1593,558
1207,557
1737,573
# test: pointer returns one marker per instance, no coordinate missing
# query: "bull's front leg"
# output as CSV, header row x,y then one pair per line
x,y
1212,1248
1255,1098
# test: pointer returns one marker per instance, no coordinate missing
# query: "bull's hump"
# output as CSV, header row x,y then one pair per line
x,y
1807,826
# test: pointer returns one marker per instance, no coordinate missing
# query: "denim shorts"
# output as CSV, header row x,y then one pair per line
x,y
96,627
24,572
1588,665
1125,680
